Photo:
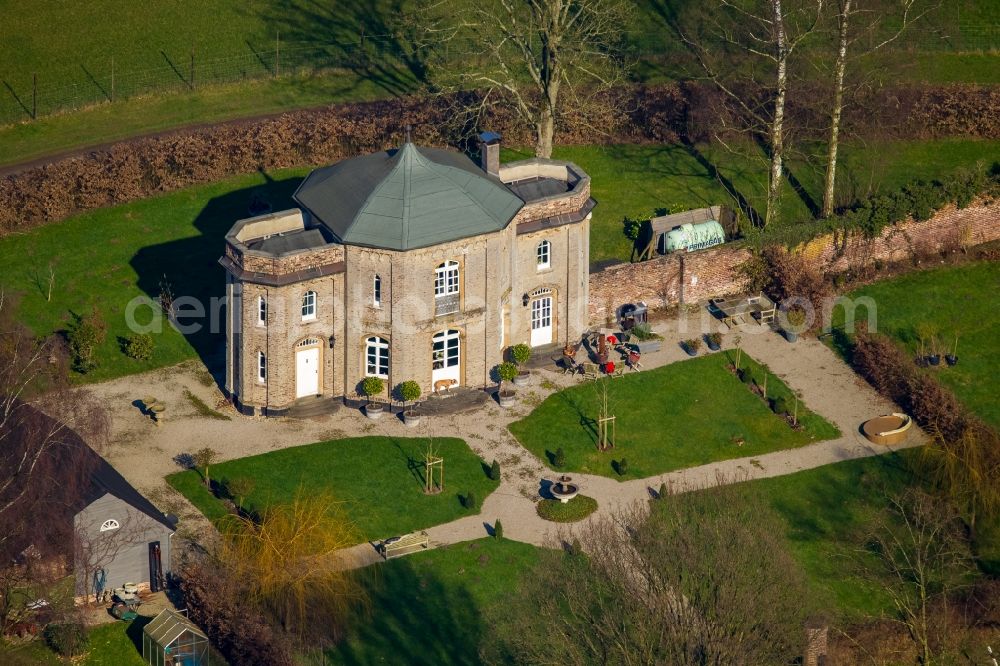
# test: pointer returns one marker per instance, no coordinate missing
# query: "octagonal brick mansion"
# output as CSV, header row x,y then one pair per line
x,y
409,264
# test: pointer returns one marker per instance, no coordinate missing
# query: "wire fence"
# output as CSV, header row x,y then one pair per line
x,y
48,93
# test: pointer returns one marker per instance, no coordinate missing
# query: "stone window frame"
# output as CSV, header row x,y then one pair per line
x,y
109,525
377,291
446,335
261,367
261,311
309,305
447,278
379,344
543,249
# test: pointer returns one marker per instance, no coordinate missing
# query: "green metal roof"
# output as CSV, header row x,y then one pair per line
x,y
407,198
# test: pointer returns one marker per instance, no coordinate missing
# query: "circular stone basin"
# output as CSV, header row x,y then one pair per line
x,y
563,490
888,429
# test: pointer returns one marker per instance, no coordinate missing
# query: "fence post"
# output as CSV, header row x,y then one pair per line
x,y
34,96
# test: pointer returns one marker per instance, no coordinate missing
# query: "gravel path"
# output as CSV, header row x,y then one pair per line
x,y
144,453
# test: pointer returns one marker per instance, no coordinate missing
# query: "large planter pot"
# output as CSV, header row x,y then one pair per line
x,y
374,410
791,336
951,359
934,359
522,378
506,397
648,346
411,418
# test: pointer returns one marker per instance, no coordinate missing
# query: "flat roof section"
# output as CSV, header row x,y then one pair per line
x,y
539,187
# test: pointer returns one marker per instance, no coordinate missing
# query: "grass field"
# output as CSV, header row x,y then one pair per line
x,y
107,257
378,479
428,608
113,644
681,415
958,299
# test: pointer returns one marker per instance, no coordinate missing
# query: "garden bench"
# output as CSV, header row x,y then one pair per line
x,y
404,545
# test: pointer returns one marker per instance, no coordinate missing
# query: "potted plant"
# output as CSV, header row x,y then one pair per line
x,y
714,341
373,386
505,372
520,354
796,319
692,345
409,392
646,340
926,331
935,355
952,358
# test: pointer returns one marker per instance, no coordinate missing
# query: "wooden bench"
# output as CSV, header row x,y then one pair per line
x,y
404,545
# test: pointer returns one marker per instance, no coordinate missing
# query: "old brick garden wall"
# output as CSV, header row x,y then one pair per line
x,y
689,278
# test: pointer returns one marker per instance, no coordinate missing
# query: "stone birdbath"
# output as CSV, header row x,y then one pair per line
x,y
563,489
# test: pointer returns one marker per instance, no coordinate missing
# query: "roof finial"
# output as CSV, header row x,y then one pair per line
x,y
408,128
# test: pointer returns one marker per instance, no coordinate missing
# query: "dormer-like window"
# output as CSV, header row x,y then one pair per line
x,y
110,524
377,292
543,255
309,306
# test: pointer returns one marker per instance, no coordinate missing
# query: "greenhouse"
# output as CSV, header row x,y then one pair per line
x,y
173,640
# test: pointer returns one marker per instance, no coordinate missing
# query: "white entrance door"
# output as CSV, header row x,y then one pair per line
x,y
446,357
306,372
541,321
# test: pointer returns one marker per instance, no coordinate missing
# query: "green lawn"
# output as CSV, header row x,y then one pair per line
x,y
959,299
113,644
378,479
107,257
681,415
428,608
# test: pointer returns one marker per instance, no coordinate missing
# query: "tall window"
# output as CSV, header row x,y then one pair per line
x,y
543,254
377,292
445,350
446,279
377,357
261,367
261,311
309,305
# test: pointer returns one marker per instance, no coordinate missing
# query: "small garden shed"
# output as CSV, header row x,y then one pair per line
x,y
173,640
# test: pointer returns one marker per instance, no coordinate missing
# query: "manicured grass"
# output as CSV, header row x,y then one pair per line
x,y
958,299
680,415
105,258
576,509
378,479
112,644
428,608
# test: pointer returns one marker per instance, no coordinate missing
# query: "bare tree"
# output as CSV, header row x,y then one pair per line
x,y
848,34
742,46
924,556
203,458
702,578
544,60
289,562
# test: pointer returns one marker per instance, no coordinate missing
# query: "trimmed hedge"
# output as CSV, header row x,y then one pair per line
x,y
576,509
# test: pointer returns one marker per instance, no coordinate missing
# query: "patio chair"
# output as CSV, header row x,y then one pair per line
x,y
633,361
590,371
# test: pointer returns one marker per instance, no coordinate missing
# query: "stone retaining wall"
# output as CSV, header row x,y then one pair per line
x,y
695,276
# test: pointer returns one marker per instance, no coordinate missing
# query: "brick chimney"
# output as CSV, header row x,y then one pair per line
x,y
489,153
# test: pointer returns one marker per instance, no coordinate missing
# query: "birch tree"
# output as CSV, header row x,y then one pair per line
x,y
543,60
753,42
854,21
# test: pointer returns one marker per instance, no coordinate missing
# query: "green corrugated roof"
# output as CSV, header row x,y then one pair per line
x,y
407,198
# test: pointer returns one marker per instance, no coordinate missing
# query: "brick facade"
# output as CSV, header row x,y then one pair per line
x,y
499,279
695,276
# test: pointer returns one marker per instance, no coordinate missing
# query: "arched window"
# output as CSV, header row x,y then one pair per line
x,y
446,279
309,305
377,292
377,357
261,311
543,254
261,367
110,524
